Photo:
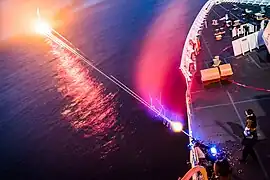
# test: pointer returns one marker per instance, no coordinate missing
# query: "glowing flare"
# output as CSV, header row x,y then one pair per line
x,y
176,126
42,27
213,151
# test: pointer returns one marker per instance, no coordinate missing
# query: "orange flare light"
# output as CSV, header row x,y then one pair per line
x,y
42,27
176,126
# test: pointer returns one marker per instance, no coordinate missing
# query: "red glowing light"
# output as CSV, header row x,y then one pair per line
x,y
89,110
156,68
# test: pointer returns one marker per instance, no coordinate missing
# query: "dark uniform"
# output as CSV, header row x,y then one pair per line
x,y
250,136
248,142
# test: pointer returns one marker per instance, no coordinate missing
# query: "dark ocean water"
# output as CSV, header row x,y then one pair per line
x,y
59,119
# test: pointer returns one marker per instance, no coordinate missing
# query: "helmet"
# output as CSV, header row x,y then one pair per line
x,y
249,112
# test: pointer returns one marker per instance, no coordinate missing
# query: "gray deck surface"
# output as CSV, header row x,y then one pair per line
x,y
218,111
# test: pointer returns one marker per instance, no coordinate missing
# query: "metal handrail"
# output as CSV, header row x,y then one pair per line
x,y
196,26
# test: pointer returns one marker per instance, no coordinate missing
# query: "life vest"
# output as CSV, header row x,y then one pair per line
x,y
251,124
251,121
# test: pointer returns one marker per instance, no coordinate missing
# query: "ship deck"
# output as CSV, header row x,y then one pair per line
x,y
218,111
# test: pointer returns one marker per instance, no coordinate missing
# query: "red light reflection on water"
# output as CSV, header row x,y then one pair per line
x,y
89,110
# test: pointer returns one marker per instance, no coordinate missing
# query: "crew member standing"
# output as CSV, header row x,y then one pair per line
x,y
248,142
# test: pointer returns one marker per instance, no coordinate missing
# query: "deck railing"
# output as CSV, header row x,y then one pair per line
x,y
197,26
184,66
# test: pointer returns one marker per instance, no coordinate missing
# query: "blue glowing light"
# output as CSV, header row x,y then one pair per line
x,y
213,151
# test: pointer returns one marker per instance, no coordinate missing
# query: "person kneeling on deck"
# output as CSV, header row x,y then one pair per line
x,y
222,170
248,142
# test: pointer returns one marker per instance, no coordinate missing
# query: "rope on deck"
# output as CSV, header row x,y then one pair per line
x,y
249,87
